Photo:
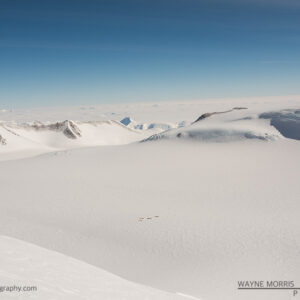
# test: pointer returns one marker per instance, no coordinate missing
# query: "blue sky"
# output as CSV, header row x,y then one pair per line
x,y
105,51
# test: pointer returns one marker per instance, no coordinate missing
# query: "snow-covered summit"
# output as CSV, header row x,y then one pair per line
x,y
40,137
237,125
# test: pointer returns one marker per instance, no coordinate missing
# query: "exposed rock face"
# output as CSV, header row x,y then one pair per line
x,y
239,107
2,141
68,128
206,115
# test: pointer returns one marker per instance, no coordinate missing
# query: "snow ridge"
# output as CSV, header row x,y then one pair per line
x,y
206,115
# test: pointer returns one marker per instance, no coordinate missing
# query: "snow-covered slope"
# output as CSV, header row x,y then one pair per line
x,y
226,212
31,272
265,119
257,121
226,126
21,140
287,122
183,217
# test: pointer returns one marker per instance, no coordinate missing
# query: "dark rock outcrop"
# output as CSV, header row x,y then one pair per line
x,y
68,128
206,115
2,140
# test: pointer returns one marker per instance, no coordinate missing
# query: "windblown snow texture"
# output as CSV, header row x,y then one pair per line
x,y
193,211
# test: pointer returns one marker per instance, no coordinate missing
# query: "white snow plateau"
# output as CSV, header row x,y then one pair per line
x,y
170,200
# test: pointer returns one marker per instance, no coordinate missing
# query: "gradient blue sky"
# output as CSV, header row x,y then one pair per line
x,y
103,51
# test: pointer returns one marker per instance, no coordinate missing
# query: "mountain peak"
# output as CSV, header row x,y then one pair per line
x,y
126,121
